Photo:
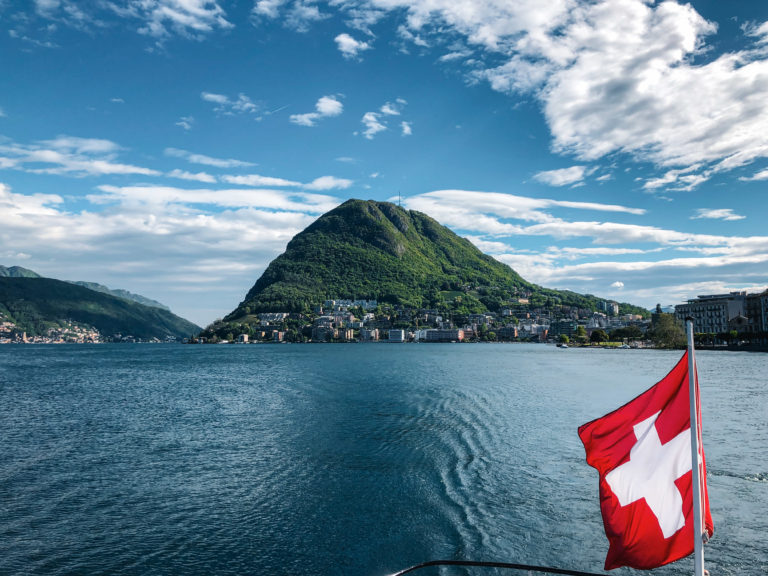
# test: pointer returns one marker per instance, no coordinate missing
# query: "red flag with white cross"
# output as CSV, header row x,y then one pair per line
x,y
643,454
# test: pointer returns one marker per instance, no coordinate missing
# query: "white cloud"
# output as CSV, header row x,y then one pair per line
x,y
302,14
325,107
393,108
268,8
373,125
717,214
458,207
349,47
68,155
561,177
197,177
206,160
186,122
376,122
130,197
761,175
2,113
328,183
185,17
229,107
618,284
612,76
257,180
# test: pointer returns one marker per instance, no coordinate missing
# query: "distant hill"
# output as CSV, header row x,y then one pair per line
x,y
122,294
19,272
377,250
36,304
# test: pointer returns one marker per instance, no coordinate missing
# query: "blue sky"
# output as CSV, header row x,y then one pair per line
x,y
173,147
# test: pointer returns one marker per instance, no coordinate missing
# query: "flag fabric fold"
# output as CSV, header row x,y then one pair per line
x,y
642,452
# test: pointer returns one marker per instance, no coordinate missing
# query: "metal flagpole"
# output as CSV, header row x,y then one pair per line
x,y
698,524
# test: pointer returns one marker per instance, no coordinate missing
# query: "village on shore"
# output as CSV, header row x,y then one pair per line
x,y
721,320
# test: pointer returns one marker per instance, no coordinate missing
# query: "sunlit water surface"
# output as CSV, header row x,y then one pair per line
x,y
343,459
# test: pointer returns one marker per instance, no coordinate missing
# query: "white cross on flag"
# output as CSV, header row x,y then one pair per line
x,y
643,454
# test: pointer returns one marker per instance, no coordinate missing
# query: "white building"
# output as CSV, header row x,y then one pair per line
x,y
397,335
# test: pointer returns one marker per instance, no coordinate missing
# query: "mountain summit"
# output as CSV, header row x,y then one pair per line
x,y
381,251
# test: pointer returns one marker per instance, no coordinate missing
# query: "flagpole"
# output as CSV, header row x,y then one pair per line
x,y
698,524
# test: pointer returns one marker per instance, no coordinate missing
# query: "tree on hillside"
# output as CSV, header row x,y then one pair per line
x,y
667,332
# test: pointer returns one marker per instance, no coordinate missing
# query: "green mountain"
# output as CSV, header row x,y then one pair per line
x,y
17,272
122,294
377,250
37,304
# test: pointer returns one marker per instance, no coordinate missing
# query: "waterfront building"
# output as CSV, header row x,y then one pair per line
x,y
712,313
397,335
445,335
367,335
756,310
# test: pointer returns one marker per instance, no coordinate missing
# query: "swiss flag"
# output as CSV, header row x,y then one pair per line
x,y
643,454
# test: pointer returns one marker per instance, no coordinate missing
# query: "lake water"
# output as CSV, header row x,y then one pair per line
x,y
343,459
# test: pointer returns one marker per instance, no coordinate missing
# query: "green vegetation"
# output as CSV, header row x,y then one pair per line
x,y
17,272
667,332
37,304
598,336
122,294
379,251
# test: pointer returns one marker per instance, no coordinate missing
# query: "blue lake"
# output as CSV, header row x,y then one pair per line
x,y
343,459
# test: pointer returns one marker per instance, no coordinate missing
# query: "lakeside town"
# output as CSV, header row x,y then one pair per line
x,y
736,318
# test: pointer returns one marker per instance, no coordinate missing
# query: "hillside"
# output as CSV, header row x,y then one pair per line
x,y
38,304
19,272
377,250
122,294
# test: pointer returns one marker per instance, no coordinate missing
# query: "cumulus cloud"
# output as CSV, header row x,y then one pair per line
x,y
611,76
206,160
373,124
717,214
325,107
618,284
376,122
349,47
561,177
188,18
229,107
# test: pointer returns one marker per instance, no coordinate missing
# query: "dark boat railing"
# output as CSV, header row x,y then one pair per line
x,y
509,565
